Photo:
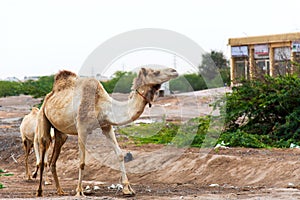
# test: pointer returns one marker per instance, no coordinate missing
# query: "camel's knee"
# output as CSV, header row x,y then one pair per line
x,y
121,158
24,145
53,168
64,137
82,166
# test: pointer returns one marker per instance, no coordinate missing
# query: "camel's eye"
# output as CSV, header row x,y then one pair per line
x,y
156,73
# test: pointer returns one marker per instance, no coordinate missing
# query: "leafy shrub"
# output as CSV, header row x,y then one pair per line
x,y
8,88
38,88
268,108
242,139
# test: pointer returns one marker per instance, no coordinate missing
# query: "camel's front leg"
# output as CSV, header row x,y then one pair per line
x,y
109,133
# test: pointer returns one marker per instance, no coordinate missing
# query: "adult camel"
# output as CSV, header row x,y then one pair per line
x,y
77,106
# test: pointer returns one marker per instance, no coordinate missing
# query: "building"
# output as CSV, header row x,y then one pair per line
x,y
31,78
254,57
12,79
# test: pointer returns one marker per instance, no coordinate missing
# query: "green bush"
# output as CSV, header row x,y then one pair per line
x,y
8,88
188,83
268,108
38,88
121,82
242,139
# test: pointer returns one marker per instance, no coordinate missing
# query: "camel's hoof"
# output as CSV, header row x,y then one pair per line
x,y
39,193
80,194
34,174
60,192
128,191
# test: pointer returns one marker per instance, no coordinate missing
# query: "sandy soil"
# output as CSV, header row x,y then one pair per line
x,y
157,171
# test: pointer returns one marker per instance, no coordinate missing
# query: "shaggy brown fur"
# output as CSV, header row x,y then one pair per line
x,y
139,80
63,80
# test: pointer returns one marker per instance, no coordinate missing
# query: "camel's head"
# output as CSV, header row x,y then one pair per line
x,y
153,77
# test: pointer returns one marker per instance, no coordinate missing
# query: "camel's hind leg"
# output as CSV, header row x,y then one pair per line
x,y
60,139
27,147
37,155
82,136
47,180
44,140
109,133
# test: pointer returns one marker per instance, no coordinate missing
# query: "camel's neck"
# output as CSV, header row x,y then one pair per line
x,y
128,111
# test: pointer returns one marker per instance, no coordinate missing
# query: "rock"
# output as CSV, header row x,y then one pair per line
x,y
128,157
119,187
112,187
88,190
96,188
291,185
214,185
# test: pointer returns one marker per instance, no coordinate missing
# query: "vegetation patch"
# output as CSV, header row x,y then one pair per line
x,y
260,113
3,173
192,133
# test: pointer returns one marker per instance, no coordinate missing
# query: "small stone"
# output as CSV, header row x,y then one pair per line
x,y
214,185
88,190
128,157
112,187
291,185
96,188
119,187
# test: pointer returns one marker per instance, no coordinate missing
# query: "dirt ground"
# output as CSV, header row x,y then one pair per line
x,y
157,171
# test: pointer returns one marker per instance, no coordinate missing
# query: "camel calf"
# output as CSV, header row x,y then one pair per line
x,y
29,139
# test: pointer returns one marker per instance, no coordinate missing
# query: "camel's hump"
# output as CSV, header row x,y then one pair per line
x,y
64,79
64,74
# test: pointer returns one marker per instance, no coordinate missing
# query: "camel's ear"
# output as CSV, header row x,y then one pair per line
x,y
144,71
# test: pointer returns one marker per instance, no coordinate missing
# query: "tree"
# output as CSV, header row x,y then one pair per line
x,y
188,83
213,63
121,82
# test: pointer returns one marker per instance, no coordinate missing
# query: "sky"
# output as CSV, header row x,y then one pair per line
x,y
42,37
